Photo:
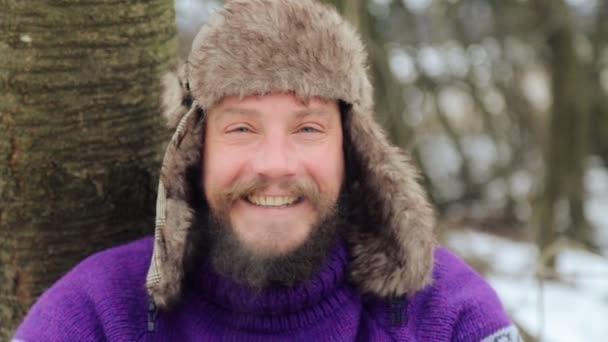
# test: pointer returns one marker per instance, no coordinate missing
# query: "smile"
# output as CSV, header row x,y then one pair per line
x,y
273,201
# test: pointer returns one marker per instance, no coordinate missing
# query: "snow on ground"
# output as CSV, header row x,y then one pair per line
x,y
596,207
572,309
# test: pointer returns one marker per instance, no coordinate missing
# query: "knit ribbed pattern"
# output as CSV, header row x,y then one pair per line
x,y
104,298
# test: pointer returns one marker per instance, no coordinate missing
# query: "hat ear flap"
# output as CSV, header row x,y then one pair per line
x,y
178,192
393,240
175,95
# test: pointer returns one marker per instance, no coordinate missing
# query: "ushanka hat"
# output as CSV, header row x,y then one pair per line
x,y
304,47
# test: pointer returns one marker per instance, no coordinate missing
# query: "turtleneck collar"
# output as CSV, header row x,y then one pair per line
x,y
278,308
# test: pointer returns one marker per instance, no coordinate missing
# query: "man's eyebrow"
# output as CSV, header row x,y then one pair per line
x,y
299,113
239,111
308,112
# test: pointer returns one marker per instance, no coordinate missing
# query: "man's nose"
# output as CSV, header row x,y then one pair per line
x,y
275,157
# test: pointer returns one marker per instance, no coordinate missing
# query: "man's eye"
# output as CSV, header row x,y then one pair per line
x,y
309,129
240,129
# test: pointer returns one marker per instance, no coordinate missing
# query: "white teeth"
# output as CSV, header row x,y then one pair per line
x,y
272,201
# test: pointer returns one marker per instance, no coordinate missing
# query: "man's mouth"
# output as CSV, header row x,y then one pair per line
x,y
273,201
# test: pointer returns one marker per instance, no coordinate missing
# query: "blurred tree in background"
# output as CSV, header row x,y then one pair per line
x,y
80,135
503,103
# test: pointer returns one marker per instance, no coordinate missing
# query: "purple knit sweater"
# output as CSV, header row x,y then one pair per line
x,y
104,298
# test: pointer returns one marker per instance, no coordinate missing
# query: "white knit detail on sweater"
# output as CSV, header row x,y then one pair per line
x,y
508,334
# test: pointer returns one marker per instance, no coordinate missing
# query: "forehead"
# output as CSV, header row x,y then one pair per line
x,y
273,103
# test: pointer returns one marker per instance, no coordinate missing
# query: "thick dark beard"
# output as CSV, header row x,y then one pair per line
x,y
231,258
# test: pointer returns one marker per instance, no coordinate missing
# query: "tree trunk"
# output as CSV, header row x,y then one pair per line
x,y
599,111
567,145
80,135
388,92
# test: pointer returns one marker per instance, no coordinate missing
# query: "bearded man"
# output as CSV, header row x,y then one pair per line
x,y
283,212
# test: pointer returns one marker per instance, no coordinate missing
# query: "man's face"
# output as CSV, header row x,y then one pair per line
x,y
272,170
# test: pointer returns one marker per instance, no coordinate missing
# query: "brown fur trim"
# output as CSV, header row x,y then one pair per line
x,y
393,254
259,46
174,95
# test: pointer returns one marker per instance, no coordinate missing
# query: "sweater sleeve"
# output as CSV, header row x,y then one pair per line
x,y
483,319
63,313
481,316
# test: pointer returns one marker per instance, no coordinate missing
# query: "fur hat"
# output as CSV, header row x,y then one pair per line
x,y
304,47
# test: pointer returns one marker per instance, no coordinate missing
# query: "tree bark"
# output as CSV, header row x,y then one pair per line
x,y
80,134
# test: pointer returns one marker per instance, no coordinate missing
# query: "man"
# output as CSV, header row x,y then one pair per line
x,y
283,212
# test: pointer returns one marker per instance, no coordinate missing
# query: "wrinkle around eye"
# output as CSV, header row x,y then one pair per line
x,y
315,135
310,129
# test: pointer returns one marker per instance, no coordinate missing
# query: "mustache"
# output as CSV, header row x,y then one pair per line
x,y
302,188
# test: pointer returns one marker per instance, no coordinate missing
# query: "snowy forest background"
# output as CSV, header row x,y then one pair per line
x,y
503,103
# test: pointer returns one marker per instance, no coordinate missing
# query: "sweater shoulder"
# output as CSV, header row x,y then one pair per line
x,y
116,268
129,259
449,270
82,304
459,304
